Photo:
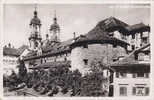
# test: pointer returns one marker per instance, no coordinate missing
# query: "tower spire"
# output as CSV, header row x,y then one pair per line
x,y
35,11
55,17
55,29
35,26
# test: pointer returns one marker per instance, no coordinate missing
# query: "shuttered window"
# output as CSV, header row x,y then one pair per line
x,y
134,75
134,90
140,91
146,75
123,91
147,91
117,74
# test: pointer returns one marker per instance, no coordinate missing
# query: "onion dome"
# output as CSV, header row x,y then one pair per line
x,y
35,20
55,26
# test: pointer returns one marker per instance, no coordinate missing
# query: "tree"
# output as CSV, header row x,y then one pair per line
x,y
22,71
92,82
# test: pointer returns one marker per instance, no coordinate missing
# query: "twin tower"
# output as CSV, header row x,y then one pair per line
x,y
35,38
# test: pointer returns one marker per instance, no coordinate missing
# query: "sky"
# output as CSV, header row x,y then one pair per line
x,y
79,18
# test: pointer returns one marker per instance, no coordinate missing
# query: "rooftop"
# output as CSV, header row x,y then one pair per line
x,y
7,51
99,34
52,64
129,61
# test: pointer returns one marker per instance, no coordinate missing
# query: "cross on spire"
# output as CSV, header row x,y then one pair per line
x,y
55,13
55,17
36,7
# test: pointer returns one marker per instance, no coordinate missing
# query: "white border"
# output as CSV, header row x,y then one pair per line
x,y
151,97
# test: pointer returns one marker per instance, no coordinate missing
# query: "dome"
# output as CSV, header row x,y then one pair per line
x,y
54,26
35,20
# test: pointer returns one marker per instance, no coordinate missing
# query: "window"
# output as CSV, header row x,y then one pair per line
x,y
117,74
146,53
133,47
121,74
36,44
140,74
114,45
85,61
85,46
146,75
123,91
133,36
111,34
134,75
65,59
145,40
123,37
141,91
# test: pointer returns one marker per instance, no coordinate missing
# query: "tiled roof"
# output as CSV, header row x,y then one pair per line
x,y
111,22
22,48
10,51
137,27
50,50
143,48
100,33
130,59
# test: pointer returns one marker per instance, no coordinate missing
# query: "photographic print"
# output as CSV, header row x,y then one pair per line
x,y
76,50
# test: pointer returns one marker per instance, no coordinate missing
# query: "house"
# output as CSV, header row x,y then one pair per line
x,y
10,59
131,76
138,36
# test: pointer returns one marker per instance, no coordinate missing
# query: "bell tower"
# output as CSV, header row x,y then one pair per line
x,y
35,36
55,30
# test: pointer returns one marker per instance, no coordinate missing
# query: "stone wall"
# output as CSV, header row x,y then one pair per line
x,y
105,52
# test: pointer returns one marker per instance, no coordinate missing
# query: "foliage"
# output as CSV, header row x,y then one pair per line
x,y
92,85
22,71
61,79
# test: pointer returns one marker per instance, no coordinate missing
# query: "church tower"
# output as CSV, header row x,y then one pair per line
x,y
55,30
35,36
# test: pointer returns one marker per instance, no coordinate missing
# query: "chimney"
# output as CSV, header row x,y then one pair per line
x,y
47,36
9,45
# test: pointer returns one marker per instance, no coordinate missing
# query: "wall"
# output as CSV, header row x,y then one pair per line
x,y
129,82
9,64
138,39
94,51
